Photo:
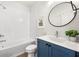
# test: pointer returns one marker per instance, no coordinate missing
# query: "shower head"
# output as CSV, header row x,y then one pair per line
x,y
3,6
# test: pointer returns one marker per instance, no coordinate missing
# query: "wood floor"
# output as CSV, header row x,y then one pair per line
x,y
23,55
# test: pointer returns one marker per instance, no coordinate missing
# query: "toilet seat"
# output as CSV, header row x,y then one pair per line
x,y
31,48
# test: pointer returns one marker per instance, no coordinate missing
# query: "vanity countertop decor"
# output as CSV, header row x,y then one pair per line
x,y
61,42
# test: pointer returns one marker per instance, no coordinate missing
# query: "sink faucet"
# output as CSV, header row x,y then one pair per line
x,y
56,34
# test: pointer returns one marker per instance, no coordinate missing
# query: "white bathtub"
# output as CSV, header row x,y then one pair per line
x,y
14,50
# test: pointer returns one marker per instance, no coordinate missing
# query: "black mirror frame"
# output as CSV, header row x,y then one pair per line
x,y
75,13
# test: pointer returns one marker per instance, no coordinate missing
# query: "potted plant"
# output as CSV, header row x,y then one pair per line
x,y
72,34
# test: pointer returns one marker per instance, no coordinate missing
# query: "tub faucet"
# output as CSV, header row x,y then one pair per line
x,y
56,34
2,41
1,35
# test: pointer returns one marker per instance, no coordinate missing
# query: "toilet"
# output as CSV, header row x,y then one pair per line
x,y
31,49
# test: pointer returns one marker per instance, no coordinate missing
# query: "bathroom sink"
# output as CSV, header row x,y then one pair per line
x,y
51,37
62,38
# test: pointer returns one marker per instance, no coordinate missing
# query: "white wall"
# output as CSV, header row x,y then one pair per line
x,y
36,11
73,25
43,10
14,22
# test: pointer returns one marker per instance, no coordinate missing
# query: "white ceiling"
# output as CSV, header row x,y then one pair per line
x,y
27,3
32,3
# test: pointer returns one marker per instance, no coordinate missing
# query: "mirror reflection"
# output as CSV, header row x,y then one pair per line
x,y
61,14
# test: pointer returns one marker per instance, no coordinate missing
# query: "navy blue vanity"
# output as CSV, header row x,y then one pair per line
x,y
47,49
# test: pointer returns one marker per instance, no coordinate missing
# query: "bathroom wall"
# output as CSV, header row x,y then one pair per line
x,y
43,10
36,12
14,23
73,25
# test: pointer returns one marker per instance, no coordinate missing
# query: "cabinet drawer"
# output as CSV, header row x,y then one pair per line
x,y
44,42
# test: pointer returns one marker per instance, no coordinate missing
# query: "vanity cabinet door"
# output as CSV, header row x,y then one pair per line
x,y
77,54
46,49
59,51
42,49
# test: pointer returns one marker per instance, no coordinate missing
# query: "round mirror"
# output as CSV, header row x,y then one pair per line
x,y
62,14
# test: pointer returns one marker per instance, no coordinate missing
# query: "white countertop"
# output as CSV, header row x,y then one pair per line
x,y
61,42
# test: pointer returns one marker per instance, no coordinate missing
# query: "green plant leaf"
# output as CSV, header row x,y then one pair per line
x,y
72,33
